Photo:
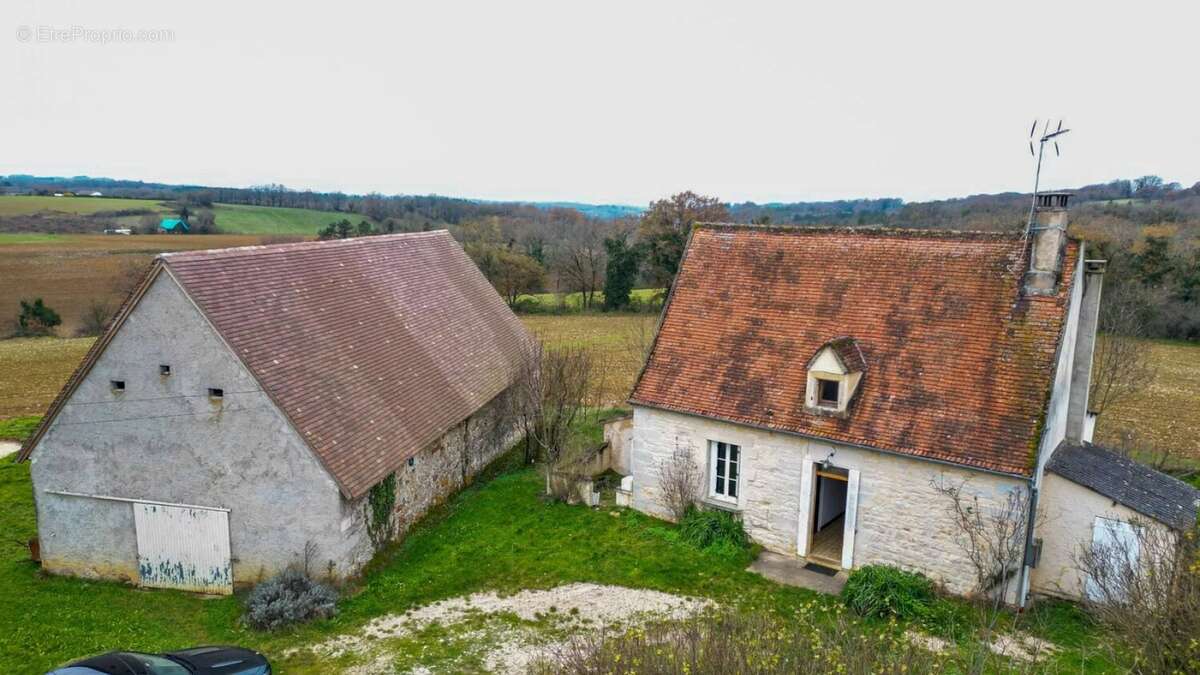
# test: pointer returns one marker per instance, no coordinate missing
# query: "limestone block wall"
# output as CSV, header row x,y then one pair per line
x,y
902,520
446,466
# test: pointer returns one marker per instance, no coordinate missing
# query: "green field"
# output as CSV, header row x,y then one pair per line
x,y
25,205
549,302
230,218
269,220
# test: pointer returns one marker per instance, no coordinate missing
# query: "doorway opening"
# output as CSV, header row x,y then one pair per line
x,y
829,517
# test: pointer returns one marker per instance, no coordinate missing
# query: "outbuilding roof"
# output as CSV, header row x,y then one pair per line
x,y
958,363
373,347
1151,493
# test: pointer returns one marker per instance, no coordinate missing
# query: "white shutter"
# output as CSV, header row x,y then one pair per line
x,y
183,547
851,523
806,488
1110,538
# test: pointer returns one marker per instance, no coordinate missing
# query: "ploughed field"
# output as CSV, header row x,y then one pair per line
x,y
71,271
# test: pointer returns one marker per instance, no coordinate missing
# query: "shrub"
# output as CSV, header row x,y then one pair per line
x,y
289,598
729,642
713,529
36,318
94,318
881,591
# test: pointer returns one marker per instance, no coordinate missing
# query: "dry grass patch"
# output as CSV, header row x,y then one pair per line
x,y
32,370
620,341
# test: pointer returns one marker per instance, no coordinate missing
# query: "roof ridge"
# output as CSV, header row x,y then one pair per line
x,y
860,229
254,249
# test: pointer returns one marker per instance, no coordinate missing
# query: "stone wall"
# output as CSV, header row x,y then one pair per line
x,y
902,520
442,469
618,431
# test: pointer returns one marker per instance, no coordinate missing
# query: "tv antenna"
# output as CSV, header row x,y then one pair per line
x,y
1047,136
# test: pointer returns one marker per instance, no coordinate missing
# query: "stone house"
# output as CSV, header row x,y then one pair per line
x,y
826,381
245,403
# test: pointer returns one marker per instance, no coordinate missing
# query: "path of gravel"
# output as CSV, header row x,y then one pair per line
x,y
577,606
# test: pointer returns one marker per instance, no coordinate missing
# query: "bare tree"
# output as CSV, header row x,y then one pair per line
x,y
993,539
1144,585
94,318
639,338
1120,363
679,480
581,262
557,388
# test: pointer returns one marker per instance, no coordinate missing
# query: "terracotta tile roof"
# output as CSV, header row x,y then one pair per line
x,y
959,364
847,352
373,347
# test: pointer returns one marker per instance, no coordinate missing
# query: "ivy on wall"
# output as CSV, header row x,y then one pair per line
x,y
381,501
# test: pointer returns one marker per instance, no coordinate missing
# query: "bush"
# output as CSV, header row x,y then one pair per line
x,y
881,591
289,598
36,319
713,529
729,642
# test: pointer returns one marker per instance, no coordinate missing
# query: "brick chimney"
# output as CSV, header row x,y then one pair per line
x,y
1048,238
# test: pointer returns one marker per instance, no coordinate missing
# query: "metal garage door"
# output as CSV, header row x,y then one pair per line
x,y
183,547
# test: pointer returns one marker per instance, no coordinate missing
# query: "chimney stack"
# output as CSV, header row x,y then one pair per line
x,y
1078,411
1048,239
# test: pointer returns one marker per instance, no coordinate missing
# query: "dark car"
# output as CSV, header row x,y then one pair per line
x,y
194,661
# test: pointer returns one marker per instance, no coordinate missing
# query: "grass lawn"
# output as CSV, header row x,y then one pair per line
x,y
547,302
268,220
496,535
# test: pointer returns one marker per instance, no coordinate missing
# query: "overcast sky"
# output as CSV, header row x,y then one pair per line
x,y
607,101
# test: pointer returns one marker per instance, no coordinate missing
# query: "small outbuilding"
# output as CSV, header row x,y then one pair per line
x,y
259,407
173,226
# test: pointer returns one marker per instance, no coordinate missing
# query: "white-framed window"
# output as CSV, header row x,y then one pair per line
x,y
725,470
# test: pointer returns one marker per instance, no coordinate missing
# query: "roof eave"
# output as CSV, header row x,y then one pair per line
x,y
826,439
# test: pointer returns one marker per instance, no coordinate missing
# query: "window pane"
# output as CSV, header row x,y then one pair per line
x,y
720,451
732,488
720,484
733,470
827,391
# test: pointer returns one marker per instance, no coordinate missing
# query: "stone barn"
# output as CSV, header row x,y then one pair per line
x,y
826,382
254,408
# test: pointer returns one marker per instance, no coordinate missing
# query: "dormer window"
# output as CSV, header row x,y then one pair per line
x,y
834,373
827,392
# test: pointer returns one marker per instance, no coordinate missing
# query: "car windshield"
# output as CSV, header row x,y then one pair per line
x,y
157,665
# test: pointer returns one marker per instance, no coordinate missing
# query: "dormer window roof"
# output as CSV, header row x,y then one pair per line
x,y
834,373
